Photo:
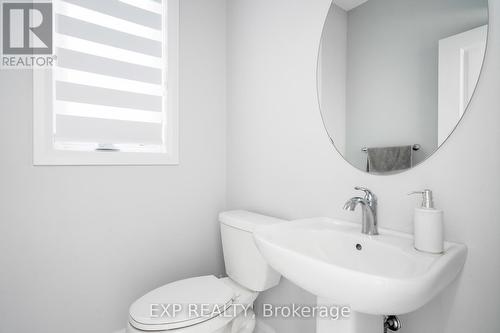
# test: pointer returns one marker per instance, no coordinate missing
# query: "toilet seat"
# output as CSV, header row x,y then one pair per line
x,y
200,299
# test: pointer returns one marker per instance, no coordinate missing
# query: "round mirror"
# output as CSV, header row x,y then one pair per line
x,y
396,76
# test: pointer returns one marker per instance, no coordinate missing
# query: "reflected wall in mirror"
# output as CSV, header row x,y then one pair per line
x,y
396,76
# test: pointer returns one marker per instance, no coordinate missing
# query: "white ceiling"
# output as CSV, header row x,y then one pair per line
x,y
347,5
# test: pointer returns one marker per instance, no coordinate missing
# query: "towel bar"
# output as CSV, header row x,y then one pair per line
x,y
415,148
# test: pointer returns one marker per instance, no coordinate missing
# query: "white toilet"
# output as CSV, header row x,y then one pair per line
x,y
208,304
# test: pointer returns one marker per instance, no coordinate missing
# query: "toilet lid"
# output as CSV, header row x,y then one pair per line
x,y
181,303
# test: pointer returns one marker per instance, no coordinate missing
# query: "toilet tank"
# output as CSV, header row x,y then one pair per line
x,y
244,263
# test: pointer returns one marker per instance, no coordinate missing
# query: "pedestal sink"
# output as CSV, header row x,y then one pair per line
x,y
374,275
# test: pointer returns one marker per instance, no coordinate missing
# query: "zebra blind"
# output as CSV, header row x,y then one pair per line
x,y
109,84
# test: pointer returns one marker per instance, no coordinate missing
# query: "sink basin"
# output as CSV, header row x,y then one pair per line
x,y
378,275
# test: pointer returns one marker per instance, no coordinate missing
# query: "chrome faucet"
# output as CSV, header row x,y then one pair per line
x,y
369,204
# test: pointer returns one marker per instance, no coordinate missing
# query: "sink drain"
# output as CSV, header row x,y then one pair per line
x,y
359,247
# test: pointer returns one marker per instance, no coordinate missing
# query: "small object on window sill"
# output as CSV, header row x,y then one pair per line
x,y
106,147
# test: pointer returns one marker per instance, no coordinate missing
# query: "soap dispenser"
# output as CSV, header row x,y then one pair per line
x,y
428,223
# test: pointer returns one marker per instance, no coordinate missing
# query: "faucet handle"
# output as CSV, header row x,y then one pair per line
x,y
368,193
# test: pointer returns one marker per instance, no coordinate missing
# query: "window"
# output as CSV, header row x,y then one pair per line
x,y
111,96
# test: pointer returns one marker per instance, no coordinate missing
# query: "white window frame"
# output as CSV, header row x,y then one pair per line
x,y
43,145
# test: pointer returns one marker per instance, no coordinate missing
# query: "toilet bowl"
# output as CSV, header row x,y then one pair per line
x,y
208,304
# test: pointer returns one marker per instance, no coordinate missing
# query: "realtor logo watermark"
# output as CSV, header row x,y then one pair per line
x,y
27,37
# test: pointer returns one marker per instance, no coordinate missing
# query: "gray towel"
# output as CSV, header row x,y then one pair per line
x,y
389,159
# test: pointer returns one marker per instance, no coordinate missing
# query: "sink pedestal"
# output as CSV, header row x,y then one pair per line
x,y
356,323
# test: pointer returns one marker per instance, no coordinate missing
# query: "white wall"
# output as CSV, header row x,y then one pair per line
x,y
79,244
280,160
